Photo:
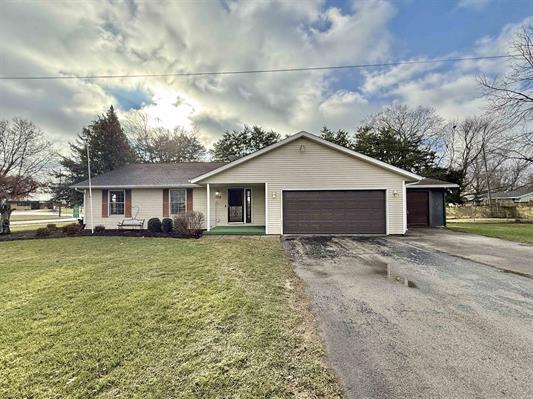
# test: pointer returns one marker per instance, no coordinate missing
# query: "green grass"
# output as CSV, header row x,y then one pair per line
x,y
508,231
154,318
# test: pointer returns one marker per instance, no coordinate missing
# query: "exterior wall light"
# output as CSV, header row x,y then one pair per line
x,y
274,195
217,194
395,193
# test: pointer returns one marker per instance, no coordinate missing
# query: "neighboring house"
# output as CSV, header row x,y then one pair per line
x,y
521,195
34,201
300,185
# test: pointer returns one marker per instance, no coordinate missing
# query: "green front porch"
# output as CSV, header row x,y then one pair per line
x,y
241,230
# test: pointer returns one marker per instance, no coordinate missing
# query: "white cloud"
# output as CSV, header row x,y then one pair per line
x,y
473,4
98,37
101,38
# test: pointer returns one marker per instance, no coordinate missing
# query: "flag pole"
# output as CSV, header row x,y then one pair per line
x,y
90,188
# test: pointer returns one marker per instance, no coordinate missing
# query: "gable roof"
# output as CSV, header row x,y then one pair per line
x,y
316,139
428,182
165,175
517,193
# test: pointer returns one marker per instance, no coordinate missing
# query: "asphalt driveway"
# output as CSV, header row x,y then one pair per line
x,y
460,329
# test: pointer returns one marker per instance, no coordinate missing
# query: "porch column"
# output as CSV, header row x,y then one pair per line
x,y
208,221
266,208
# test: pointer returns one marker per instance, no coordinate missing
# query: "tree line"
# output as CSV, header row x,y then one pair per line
x,y
493,151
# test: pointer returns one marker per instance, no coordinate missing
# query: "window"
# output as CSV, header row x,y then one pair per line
x,y
178,201
116,202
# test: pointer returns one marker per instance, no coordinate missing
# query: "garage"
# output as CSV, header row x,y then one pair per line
x,y
417,208
334,212
426,202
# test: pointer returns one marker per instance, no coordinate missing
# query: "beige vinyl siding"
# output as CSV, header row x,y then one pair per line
x,y
305,164
149,201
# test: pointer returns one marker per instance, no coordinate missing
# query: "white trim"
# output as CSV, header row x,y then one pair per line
x,y
208,221
444,185
123,214
311,137
266,208
386,189
404,206
387,211
126,186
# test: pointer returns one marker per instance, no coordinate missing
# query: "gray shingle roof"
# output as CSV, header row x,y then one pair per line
x,y
519,192
427,181
151,175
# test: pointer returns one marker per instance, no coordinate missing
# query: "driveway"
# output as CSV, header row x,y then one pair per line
x,y
506,255
460,329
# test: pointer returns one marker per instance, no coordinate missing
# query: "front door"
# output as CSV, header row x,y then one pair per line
x,y
240,205
235,205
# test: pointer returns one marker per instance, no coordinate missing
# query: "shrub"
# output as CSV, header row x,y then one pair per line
x,y
99,228
42,232
154,225
71,229
51,227
166,225
189,224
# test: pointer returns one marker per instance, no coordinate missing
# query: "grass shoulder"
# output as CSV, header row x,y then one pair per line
x,y
519,232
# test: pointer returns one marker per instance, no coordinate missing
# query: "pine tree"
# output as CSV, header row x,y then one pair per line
x,y
340,137
236,144
385,144
109,149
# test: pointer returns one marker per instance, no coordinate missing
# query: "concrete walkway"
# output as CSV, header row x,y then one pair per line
x,y
509,256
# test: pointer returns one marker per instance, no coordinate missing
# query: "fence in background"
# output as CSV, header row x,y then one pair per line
x,y
522,212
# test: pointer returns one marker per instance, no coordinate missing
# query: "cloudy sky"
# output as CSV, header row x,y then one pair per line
x,y
50,38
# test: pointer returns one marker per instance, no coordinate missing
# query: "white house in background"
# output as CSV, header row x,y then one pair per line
x,y
300,185
521,195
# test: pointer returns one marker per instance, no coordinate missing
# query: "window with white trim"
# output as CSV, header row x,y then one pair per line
x,y
116,202
178,201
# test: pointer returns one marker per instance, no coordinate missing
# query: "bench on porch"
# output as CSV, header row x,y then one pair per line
x,y
131,224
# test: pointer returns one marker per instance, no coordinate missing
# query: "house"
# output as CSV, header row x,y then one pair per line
x,y
521,195
300,185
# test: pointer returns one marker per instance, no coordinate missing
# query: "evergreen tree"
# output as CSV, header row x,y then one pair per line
x,y
340,137
407,153
236,144
109,149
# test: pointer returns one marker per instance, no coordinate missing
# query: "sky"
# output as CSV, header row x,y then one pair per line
x,y
55,38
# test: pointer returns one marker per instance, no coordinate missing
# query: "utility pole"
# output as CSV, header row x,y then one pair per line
x,y
60,188
90,188
487,177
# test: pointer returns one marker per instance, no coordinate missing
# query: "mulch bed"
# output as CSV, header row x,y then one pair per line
x,y
30,234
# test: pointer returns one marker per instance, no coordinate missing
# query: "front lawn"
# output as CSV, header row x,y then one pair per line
x,y
520,232
144,317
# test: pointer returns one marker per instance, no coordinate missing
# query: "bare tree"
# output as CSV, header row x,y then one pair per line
x,y
24,154
471,149
511,96
409,124
158,145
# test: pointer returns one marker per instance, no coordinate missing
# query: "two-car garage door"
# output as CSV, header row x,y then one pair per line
x,y
334,212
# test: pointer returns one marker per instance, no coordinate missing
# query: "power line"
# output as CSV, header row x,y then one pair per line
x,y
256,71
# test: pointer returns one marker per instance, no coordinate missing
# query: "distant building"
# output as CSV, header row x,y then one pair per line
x,y
521,195
34,201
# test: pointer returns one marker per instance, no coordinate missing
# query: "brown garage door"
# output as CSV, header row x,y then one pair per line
x,y
417,208
334,212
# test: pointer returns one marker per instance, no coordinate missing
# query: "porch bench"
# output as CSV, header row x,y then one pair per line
x,y
131,223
